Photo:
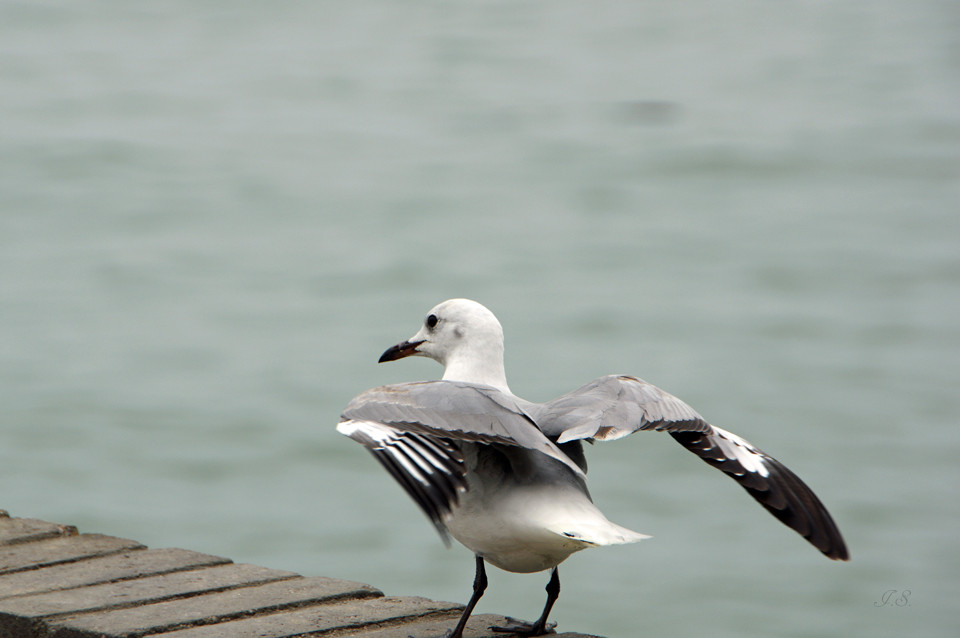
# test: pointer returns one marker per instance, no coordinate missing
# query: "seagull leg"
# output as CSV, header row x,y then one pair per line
x,y
540,627
479,585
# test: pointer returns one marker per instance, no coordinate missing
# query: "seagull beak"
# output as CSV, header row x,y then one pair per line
x,y
399,351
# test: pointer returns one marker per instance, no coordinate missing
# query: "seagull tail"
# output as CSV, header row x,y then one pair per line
x,y
600,533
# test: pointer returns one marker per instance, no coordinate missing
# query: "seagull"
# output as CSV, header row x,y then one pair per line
x,y
506,477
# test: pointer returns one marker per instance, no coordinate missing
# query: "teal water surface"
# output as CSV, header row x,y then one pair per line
x,y
215,217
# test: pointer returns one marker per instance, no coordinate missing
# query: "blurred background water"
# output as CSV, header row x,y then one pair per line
x,y
216,215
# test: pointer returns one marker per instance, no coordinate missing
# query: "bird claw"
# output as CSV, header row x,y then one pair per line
x,y
524,628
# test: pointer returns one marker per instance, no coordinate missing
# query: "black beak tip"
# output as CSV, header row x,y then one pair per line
x,y
399,351
390,354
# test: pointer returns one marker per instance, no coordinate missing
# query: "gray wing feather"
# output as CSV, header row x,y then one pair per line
x,y
456,411
612,407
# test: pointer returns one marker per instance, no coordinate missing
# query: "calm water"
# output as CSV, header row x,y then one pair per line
x,y
214,218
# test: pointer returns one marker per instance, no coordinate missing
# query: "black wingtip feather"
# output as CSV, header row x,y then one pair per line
x,y
430,470
781,493
413,489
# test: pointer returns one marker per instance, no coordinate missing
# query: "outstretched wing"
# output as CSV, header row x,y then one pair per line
x,y
771,483
614,406
415,431
430,469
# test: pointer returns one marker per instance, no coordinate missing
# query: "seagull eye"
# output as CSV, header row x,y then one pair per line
x,y
432,321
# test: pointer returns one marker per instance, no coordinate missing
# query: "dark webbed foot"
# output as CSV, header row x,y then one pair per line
x,y
541,626
524,628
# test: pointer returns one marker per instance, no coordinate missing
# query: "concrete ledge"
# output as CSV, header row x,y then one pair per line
x,y
58,583
107,569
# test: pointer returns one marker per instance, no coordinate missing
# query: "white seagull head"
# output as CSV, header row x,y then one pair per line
x,y
464,337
